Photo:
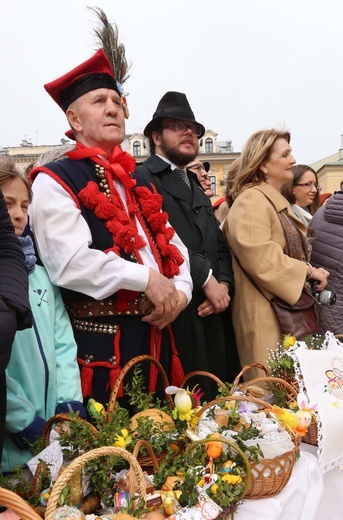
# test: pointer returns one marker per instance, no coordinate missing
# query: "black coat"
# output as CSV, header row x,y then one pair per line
x,y
13,292
200,341
13,286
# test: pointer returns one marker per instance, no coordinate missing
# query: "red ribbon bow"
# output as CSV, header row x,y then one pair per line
x,y
121,163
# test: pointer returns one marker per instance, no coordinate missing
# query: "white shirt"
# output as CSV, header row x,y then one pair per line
x,y
64,238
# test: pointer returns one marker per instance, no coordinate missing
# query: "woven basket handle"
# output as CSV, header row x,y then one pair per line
x,y
125,370
147,446
79,462
63,417
290,390
205,374
244,370
235,447
17,505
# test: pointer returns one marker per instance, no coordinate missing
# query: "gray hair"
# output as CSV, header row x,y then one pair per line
x,y
54,154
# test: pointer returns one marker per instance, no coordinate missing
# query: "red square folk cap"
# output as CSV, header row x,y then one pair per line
x,y
94,73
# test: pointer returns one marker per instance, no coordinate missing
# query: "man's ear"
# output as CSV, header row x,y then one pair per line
x,y
73,119
156,137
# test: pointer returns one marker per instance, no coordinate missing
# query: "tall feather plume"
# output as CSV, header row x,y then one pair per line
x,y
107,35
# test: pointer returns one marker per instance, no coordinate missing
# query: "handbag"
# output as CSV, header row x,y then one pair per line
x,y
299,319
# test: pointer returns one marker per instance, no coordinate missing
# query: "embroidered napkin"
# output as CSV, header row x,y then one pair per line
x,y
320,376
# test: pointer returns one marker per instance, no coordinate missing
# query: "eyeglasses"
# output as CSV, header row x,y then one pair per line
x,y
198,167
183,127
309,185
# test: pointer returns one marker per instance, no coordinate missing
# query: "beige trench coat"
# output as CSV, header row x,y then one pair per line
x,y
256,238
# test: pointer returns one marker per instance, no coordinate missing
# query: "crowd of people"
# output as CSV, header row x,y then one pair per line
x,y
124,259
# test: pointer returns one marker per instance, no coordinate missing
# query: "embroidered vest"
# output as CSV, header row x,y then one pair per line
x,y
73,177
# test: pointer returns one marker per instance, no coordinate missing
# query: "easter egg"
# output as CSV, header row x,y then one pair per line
x,y
69,513
183,402
44,496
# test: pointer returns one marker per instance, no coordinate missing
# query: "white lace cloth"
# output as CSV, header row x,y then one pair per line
x,y
299,500
273,439
320,377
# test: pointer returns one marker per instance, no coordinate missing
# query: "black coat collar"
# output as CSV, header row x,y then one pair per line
x,y
173,185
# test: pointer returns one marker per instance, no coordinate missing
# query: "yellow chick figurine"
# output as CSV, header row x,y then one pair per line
x,y
122,439
285,417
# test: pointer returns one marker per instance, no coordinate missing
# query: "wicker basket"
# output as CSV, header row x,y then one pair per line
x,y
136,474
62,417
263,388
126,368
311,436
246,368
150,453
228,512
268,476
88,505
17,505
202,373
158,416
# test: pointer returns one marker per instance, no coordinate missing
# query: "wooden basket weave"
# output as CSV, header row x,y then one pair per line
x,y
268,476
246,368
136,475
89,505
126,368
291,388
203,373
156,415
268,383
228,512
63,417
311,436
17,505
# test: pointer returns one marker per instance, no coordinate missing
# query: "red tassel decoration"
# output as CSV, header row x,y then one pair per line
x,y
176,372
86,381
155,351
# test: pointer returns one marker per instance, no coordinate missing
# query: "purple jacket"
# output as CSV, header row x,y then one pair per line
x,y
328,253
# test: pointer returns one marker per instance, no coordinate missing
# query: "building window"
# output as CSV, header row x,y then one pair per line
x,y
209,145
212,178
136,149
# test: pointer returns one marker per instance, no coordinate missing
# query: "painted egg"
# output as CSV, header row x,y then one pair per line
x,y
44,497
183,402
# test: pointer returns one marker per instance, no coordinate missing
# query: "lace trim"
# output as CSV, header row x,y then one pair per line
x,y
292,352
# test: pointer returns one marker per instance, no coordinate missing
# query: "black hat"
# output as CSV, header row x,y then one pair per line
x,y
174,105
206,166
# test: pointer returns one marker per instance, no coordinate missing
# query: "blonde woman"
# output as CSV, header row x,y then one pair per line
x,y
255,232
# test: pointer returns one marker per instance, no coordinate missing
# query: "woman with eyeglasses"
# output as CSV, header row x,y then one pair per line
x,y
302,192
270,247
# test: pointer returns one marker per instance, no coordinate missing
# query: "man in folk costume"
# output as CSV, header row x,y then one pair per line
x,y
102,236
199,332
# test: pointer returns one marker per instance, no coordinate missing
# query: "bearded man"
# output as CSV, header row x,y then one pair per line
x,y
199,332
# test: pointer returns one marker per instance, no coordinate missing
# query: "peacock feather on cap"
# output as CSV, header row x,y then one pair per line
x,y
107,35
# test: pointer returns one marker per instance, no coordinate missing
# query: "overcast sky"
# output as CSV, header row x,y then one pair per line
x,y
243,64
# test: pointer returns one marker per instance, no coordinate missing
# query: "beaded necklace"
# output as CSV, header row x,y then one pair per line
x,y
143,204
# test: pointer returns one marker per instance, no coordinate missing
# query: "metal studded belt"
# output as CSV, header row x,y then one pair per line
x,y
91,326
141,306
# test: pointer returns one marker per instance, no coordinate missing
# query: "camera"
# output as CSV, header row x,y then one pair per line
x,y
324,297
